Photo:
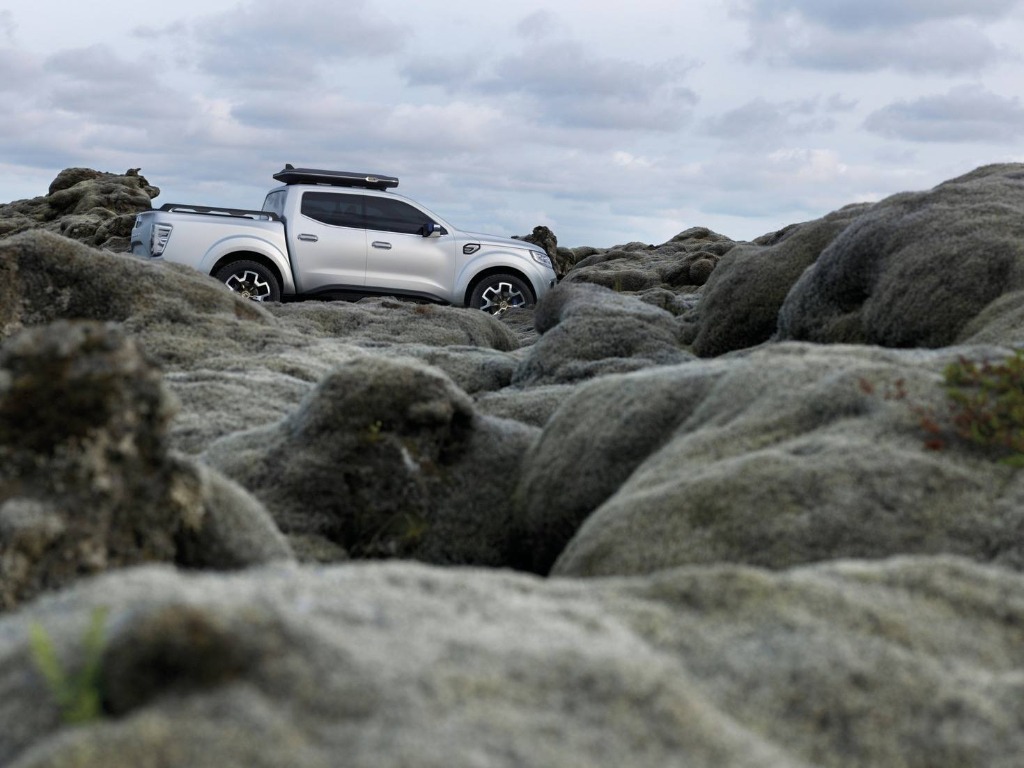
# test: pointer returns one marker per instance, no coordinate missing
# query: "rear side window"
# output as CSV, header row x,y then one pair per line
x,y
387,215
275,203
332,208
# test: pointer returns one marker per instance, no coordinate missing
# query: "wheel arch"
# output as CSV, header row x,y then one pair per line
x,y
498,270
259,258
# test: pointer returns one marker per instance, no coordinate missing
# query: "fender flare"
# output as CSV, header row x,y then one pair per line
x,y
247,246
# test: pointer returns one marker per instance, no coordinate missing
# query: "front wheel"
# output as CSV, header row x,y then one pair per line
x,y
250,279
496,294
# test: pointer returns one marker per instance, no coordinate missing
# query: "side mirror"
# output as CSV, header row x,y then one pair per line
x,y
433,228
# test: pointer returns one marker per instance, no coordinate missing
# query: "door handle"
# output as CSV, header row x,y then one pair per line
x,y
381,244
309,238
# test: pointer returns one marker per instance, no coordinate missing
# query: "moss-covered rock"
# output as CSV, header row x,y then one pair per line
x,y
86,480
93,207
918,267
385,457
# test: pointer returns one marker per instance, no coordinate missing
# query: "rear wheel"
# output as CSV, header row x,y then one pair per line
x,y
496,294
250,279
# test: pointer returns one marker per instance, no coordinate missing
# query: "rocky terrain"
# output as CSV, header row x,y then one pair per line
x,y
710,503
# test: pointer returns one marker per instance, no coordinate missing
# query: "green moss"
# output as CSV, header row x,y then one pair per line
x,y
987,405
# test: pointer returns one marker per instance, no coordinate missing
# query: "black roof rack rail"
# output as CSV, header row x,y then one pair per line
x,y
292,175
218,211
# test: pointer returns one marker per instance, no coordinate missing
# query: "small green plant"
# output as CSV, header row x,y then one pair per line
x,y
373,430
985,407
78,696
987,404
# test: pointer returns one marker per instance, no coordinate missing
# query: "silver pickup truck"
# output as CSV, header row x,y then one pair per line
x,y
341,234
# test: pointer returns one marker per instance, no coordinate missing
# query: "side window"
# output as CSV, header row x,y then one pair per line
x,y
394,216
275,203
332,208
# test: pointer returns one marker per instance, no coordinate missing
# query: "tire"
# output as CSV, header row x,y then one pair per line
x,y
250,279
496,294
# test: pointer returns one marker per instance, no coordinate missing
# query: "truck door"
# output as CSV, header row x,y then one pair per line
x,y
328,242
399,258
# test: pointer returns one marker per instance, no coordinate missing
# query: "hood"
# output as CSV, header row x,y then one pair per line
x,y
504,242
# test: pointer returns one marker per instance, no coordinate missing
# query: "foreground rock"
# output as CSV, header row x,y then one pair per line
x,y
791,454
46,277
385,458
405,665
86,482
89,206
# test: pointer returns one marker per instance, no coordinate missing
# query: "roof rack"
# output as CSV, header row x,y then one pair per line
x,y
292,175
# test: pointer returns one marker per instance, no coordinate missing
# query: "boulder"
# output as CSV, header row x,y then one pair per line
x,y
45,277
1001,322
93,207
790,454
546,239
378,321
401,664
86,480
475,370
231,396
533,405
587,330
681,265
740,303
591,444
917,268
385,457
216,403
185,322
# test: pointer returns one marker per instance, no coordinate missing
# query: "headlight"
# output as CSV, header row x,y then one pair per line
x,y
542,259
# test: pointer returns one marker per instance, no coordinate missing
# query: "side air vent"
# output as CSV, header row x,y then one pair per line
x,y
470,248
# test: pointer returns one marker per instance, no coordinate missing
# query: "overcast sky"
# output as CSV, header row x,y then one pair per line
x,y
607,121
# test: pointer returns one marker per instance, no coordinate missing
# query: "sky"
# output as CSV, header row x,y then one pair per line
x,y
609,122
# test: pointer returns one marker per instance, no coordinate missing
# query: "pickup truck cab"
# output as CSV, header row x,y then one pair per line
x,y
341,234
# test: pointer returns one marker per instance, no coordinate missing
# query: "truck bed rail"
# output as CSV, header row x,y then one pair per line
x,y
218,211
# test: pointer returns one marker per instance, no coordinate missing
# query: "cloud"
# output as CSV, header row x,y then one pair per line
x,y
762,122
427,137
7,26
862,15
919,36
965,114
259,44
564,83
817,165
540,25
453,127
96,83
448,72
20,72
839,103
